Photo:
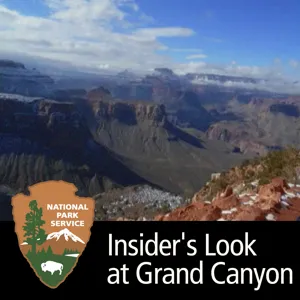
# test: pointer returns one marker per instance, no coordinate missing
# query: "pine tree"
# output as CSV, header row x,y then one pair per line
x,y
34,233
49,251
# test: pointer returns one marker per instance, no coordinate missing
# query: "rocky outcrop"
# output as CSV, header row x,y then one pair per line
x,y
254,130
143,137
277,201
53,123
187,111
16,78
44,139
132,142
193,212
68,94
98,94
5,63
218,132
289,110
237,136
129,113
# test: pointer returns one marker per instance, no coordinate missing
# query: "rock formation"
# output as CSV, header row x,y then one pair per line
x,y
16,78
277,201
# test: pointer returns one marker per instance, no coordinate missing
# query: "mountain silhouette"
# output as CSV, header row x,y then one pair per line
x,y
59,242
67,234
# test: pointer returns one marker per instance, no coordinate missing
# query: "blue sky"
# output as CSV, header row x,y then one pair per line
x,y
246,34
252,31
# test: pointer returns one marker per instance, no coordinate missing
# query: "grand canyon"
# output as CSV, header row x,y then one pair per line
x,y
145,146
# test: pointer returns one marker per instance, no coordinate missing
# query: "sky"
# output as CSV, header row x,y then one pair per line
x,y
236,37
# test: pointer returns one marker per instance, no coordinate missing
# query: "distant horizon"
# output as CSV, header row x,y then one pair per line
x,y
235,38
60,71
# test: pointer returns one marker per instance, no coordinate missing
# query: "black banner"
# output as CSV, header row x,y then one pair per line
x,y
147,256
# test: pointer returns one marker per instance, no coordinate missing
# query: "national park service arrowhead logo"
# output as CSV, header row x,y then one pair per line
x,y
53,227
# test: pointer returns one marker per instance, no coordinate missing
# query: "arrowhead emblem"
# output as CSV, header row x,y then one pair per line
x,y
53,228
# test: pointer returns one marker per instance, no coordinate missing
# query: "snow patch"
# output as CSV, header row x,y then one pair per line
x,y
146,196
290,195
229,212
250,202
72,255
243,195
254,183
67,234
291,185
19,98
270,217
284,204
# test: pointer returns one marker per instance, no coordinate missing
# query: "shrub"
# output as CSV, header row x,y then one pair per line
x,y
263,180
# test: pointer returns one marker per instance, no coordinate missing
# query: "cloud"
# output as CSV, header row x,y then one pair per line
x,y
232,69
186,50
114,35
275,86
89,34
165,32
196,56
86,33
147,19
277,61
294,63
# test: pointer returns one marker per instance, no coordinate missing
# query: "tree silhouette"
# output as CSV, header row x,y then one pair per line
x,y
34,234
49,251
